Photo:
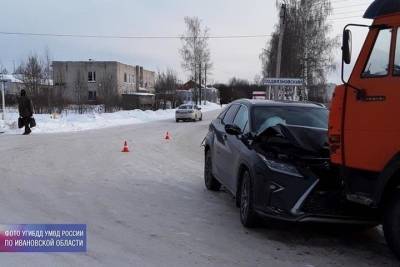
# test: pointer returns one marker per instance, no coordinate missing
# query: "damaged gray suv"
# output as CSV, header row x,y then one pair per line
x,y
274,158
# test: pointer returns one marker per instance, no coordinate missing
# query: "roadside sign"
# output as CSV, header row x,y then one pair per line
x,y
260,95
283,82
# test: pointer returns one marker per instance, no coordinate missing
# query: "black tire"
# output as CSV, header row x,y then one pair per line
x,y
177,120
391,223
248,217
201,118
211,183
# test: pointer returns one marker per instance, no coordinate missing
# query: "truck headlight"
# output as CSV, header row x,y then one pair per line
x,y
285,168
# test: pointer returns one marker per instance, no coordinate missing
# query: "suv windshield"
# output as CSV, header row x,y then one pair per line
x,y
265,117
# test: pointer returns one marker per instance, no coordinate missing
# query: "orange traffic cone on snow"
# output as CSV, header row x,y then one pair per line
x,y
125,149
167,137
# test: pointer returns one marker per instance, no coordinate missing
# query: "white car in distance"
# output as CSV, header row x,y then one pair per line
x,y
188,112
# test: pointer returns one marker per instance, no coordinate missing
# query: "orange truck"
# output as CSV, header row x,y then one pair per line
x,y
364,123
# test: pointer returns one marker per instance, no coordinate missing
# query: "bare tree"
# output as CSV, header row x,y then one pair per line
x,y
59,88
307,47
257,79
80,91
196,57
108,93
32,74
3,69
47,68
165,87
47,76
36,74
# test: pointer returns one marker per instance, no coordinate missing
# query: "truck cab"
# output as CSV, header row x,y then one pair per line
x,y
364,123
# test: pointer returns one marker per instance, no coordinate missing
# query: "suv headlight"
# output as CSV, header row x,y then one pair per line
x,y
285,168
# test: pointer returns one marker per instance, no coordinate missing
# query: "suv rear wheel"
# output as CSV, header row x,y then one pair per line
x,y
209,179
248,217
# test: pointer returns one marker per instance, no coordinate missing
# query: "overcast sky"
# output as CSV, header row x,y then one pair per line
x,y
231,57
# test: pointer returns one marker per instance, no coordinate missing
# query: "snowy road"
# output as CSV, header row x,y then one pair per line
x,y
150,208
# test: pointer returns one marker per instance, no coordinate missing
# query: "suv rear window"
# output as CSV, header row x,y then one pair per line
x,y
186,107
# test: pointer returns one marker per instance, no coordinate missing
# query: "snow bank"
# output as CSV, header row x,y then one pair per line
x,y
71,122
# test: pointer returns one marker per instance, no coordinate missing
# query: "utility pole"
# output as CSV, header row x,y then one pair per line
x,y
205,82
195,90
306,74
282,16
3,100
205,75
200,82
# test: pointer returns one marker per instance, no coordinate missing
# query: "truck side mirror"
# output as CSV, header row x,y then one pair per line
x,y
347,46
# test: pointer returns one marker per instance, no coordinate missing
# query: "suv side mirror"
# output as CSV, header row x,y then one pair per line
x,y
232,129
347,46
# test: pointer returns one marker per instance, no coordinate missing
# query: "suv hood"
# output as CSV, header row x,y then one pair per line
x,y
294,141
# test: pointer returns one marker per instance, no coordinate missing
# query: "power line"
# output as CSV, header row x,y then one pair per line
x,y
340,1
341,7
320,5
347,12
130,37
350,17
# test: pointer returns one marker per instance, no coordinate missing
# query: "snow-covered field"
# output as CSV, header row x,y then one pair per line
x,y
71,122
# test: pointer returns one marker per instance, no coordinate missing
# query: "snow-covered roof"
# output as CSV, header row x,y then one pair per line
x,y
137,93
142,94
48,82
16,78
9,78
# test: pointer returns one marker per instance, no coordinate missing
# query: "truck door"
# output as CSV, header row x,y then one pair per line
x,y
371,123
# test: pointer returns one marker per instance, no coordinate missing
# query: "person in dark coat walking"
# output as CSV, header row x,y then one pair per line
x,y
25,109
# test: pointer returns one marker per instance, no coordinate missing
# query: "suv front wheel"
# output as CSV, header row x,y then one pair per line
x,y
248,217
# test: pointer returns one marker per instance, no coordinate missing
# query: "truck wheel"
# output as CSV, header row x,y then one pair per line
x,y
391,223
211,183
248,217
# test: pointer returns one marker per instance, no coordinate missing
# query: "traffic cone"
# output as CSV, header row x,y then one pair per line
x,y
126,148
167,137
